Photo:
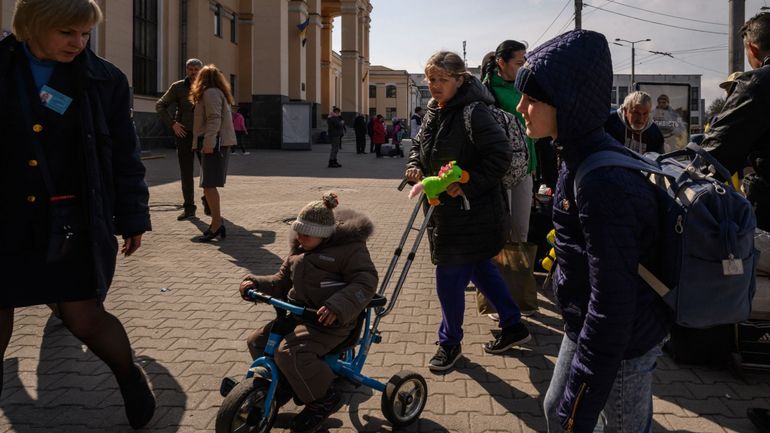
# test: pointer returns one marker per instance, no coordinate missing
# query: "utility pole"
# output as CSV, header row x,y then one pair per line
x,y
464,59
633,57
578,14
737,12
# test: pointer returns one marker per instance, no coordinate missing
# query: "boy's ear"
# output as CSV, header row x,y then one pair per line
x,y
753,50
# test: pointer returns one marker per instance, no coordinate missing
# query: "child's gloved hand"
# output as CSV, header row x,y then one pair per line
x,y
326,316
246,284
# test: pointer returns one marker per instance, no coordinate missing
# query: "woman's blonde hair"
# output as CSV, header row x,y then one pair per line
x,y
448,62
210,77
33,17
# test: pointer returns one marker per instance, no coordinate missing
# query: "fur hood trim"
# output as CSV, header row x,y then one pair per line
x,y
352,226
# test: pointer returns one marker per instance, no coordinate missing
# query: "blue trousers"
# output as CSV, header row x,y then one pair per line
x,y
451,281
629,406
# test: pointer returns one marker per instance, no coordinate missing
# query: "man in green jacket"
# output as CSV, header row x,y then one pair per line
x,y
182,124
499,74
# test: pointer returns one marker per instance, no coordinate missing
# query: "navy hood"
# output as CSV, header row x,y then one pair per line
x,y
574,70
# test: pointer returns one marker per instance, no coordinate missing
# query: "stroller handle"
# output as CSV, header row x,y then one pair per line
x,y
403,184
307,314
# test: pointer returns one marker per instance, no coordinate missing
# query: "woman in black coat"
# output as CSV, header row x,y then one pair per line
x,y
72,180
464,240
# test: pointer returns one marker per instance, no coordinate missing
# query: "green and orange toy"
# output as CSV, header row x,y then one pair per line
x,y
433,186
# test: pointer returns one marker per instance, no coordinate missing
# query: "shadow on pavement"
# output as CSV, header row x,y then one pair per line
x,y
245,247
75,389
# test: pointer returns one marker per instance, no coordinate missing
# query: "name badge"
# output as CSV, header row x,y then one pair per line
x,y
55,100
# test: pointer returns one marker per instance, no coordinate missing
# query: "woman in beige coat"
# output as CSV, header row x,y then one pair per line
x,y
213,134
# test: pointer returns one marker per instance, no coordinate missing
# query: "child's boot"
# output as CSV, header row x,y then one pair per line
x,y
314,413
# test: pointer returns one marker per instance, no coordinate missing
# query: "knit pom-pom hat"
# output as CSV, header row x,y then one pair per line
x,y
317,217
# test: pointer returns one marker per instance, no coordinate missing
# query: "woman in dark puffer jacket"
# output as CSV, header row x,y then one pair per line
x,y
463,241
614,323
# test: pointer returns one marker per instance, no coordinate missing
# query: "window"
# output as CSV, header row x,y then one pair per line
x,y
694,122
145,55
390,113
372,113
233,85
218,20
234,28
425,93
695,99
390,91
622,93
614,96
372,91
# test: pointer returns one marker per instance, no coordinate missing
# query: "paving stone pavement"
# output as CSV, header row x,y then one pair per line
x,y
178,301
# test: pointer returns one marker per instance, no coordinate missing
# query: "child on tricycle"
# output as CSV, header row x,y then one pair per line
x,y
329,269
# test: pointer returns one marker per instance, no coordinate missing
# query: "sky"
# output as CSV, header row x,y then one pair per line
x,y
404,33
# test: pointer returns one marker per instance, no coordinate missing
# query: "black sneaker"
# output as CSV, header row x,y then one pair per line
x,y
138,399
314,413
445,357
509,337
760,418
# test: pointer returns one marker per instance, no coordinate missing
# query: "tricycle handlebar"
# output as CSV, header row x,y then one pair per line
x,y
307,314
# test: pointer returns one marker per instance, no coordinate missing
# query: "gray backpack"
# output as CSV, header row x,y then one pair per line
x,y
707,261
518,169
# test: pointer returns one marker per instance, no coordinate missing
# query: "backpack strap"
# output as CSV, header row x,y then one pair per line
x,y
625,158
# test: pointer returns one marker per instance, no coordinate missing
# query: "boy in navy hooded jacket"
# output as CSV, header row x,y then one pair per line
x,y
614,323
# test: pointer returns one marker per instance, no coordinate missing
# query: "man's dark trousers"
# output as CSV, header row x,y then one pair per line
x,y
186,157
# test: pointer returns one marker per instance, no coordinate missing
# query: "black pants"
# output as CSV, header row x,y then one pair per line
x,y
360,143
186,157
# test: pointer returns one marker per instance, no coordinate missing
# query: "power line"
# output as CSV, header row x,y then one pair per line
x,y
554,20
665,15
564,27
654,22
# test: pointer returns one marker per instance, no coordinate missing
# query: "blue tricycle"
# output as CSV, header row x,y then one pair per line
x,y
251,405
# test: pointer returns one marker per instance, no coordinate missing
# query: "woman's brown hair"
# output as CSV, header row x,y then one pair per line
x,y
210,77
448,62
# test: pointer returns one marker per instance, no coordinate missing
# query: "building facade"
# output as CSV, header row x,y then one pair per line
x,y
391,93
272,51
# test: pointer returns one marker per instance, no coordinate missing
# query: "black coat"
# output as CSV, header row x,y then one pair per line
x,y
108,175
741,135
460,236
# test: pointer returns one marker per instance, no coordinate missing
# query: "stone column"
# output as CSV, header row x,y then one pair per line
x,y
297,73
351,72
326,64
270,71
365,59
313,60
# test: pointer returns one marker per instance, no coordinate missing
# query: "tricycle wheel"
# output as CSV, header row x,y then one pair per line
x,y
241,411
404,398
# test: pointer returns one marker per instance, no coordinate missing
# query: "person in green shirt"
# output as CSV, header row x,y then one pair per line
x,y
498,74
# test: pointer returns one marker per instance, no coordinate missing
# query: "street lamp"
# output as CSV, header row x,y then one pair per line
x,y
633,55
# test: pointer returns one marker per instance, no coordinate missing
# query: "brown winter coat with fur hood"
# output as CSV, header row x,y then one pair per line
x,y
338,274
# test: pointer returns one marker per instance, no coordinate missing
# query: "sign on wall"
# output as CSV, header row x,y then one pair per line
x,y
670,112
